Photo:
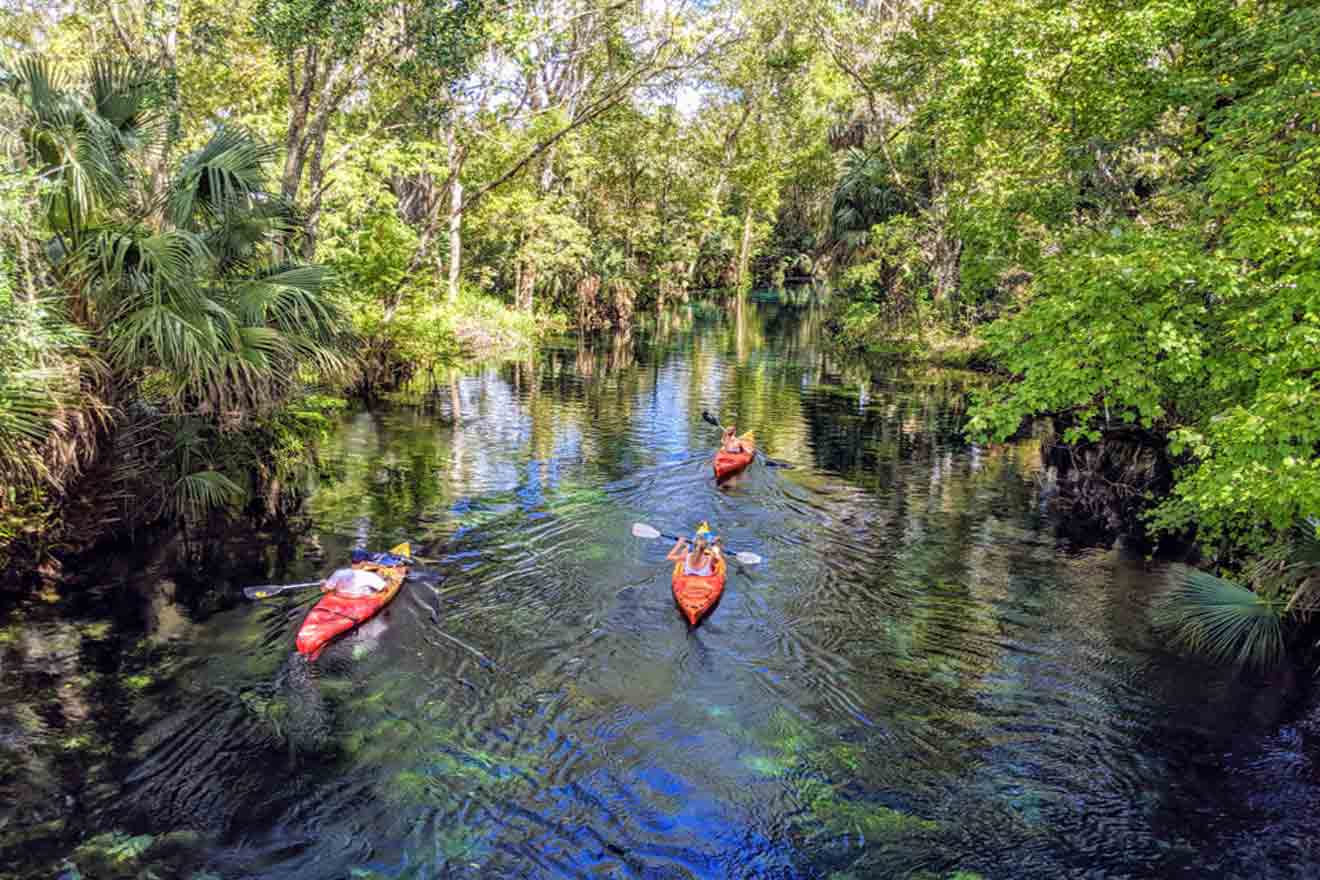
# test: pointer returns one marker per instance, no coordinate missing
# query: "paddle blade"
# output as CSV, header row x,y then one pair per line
x,y
404,549
747,558
705,414
268,590
642,530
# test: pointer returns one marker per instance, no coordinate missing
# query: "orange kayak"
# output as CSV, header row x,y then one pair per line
x,y
697,594
335,615
729,463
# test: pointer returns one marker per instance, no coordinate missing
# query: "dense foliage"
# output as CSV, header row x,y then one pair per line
x,y
209,209
1120,199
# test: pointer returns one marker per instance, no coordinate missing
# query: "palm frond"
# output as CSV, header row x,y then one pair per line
x,y
119,92
161,336
1220,620
42,81
126,269
1306,543
863,197
290,297
226,174
203,491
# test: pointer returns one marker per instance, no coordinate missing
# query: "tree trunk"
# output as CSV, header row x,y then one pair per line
x,y
945,268
526,285
314,143
168,62
946,249
730,153
741,281
315,183
300,101
456,156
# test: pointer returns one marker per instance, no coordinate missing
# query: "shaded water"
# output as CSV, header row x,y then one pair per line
x,y
919,680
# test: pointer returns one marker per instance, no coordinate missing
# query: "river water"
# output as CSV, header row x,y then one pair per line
x,y
920,680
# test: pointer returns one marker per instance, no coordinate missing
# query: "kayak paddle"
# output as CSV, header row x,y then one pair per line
x,y
769,462
642,530
275,589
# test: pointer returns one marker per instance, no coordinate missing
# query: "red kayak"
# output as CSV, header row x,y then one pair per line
x,y
729,463
335,615
697,594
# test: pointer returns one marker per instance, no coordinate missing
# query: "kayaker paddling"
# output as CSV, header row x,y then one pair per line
x,y
732,443
354,583
734,454
700,561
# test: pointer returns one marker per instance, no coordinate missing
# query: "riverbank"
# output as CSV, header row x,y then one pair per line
x,y
862,333
253,469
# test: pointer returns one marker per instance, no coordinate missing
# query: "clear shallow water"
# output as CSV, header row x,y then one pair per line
x,y
919,679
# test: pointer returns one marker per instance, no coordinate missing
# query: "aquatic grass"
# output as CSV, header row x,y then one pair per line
x,y
832,815
118,855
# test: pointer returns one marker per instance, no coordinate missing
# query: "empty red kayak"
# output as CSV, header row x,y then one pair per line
x,y
697,594
335,615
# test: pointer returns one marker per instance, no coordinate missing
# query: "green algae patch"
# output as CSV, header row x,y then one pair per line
x,y
461,843
116,855
872,821
97,632
841,815
766,766
111,852
597,552
410,787
138,682
76,742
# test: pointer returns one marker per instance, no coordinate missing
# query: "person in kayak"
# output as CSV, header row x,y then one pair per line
x,y
353,583
732,442
700,561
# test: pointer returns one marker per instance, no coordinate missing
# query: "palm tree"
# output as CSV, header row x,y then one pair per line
x,y
864,196
1227,622
183,293
47,407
